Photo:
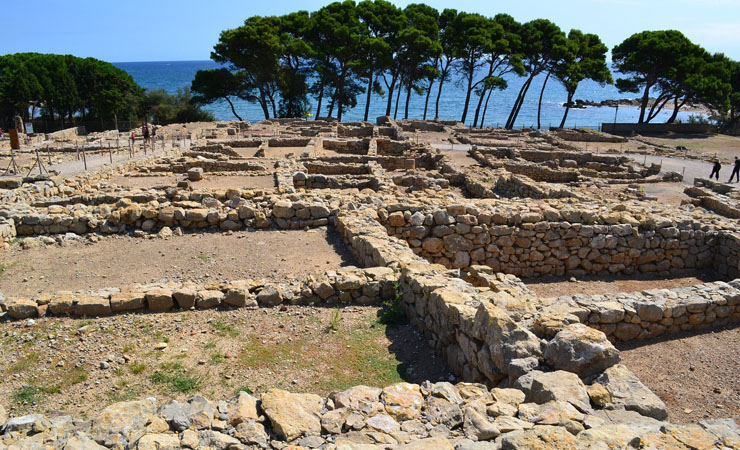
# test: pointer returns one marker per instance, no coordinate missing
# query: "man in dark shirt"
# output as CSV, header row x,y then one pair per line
x,y
735,171
715,170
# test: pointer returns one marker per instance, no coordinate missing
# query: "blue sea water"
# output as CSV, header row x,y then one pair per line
x,y
174,75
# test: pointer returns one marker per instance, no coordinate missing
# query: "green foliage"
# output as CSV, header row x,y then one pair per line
x,y
64,86
333,326
163,108
173,376
393,313
224,329
668,64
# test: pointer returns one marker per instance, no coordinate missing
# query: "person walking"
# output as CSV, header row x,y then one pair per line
x,y
715,170
735,171
145,132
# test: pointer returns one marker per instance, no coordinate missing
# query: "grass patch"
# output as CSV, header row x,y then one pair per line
x,y
392,312
32,393
173,376
243,389
217,358
25,363
360,357
205,258
224,329
210,345
73,376
137,368
256,354
5,267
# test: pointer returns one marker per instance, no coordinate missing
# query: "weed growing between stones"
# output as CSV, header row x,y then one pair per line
x,y
393,313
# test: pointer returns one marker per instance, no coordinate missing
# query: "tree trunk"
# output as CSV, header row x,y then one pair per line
x,y
398,96
439,94
232,108
426,102
477,108
369,94
485,108
644,103
408,98
567,108
519,102
321,97
331,104
676,108
467,97
391,89
539,105
263,103
341,93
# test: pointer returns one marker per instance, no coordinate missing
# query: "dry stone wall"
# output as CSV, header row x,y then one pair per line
x,y
573,241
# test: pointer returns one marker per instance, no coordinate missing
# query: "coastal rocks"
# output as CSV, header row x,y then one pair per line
x,y
581,350
293,415
627,391
539,437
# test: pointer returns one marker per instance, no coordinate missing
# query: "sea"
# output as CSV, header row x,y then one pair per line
x,y
174,75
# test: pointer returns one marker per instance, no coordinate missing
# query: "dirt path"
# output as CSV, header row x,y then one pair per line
x,y
209,182
695,374
121,261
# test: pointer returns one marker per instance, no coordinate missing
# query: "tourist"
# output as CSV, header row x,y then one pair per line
x,y
715,170
145,132
154,134
735,171
133,137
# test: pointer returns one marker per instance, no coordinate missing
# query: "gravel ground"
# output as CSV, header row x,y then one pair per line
x,y
120,261
695,374
209,182
80,366
548,287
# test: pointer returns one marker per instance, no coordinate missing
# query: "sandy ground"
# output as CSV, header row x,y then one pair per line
x,y
695,374
213,352
273,152
209,182
548,287
120,261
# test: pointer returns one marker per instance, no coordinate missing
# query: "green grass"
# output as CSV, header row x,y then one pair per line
x,y
217,358
24,363
210,345
244,389
393,313
137,368
32,393
5,267
224,329
205,258
333,326
173,376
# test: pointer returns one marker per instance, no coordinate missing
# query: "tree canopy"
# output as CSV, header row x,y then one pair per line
x,y
333,55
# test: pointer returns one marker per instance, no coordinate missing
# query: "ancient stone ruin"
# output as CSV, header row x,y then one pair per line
x,y
448,221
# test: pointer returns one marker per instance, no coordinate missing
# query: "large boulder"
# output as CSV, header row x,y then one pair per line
x,y
505,338
197,412
582,350
402,400
360,398
195,174
540,437
21,308
159,441
628,391
559,386
119,423
292,415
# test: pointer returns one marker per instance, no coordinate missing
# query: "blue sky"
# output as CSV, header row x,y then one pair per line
x,y
174,30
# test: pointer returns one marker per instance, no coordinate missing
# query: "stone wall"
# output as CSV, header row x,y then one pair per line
x,y
553,242
354,147
626,317
343,286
